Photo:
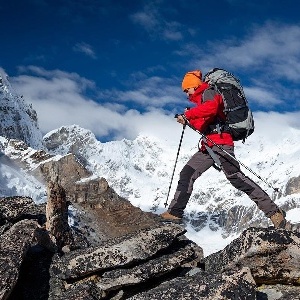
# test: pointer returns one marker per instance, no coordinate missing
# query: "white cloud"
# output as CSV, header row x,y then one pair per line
x,y
152,20
86,49
272,49
268,57
268,54
149,92
264,97
58,97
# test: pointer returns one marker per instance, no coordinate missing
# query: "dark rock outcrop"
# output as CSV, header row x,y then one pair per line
x,y
272,255
14,245
17,208
228,285
152,254
117,253
278,292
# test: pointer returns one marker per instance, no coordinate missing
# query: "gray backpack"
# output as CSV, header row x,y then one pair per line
x,y
239,120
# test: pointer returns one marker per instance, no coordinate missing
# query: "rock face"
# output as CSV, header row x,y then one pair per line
x,y
113,218
66,171
293,186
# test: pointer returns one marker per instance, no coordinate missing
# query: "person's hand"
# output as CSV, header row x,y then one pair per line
x,y
180,119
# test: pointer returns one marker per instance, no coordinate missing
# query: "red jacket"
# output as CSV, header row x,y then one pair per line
x,y
206,112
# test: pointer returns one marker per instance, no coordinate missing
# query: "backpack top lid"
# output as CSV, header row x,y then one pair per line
x,y
217,76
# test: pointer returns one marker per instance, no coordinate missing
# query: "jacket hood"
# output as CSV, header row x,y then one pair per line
x,y
194,98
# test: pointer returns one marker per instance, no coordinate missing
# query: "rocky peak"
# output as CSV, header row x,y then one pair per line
x,y
5,86
18,120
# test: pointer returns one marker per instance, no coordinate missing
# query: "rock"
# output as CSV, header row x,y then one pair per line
x,y
33,281
141,258
13,248
292,186
272,255
233,284
117,253
108,214
121,279
144,272
67,170
278,292
57,216
82,291
13,209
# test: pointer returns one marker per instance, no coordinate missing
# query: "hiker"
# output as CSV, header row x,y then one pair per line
x,y
207,116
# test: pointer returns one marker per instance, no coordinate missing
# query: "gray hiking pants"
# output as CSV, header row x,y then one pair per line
x,y
202,161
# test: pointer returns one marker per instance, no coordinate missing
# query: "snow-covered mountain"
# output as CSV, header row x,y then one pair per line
x,y
18,120
140,170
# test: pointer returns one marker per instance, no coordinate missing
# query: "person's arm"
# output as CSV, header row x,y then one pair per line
x,y
207,109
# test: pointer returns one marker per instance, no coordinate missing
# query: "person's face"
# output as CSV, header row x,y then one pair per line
x,y
189,91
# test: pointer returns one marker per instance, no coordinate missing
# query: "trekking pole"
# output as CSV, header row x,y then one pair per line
x,y
183,128
222,149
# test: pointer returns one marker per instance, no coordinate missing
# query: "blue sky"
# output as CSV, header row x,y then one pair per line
x,y
116,68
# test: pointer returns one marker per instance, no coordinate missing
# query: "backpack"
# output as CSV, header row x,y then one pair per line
x,y
239,120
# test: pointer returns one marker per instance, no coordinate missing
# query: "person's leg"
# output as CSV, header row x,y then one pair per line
x,y
197,165
237,178
243,183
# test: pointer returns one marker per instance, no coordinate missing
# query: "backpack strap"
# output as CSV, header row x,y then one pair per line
x,y
213,155
219,125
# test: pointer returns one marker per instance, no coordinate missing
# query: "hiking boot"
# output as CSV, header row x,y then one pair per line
x,y
166,216
278,219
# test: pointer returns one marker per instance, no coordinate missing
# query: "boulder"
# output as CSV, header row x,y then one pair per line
x,y
118,252
14,245
278,292
108,214
272,255
233,284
